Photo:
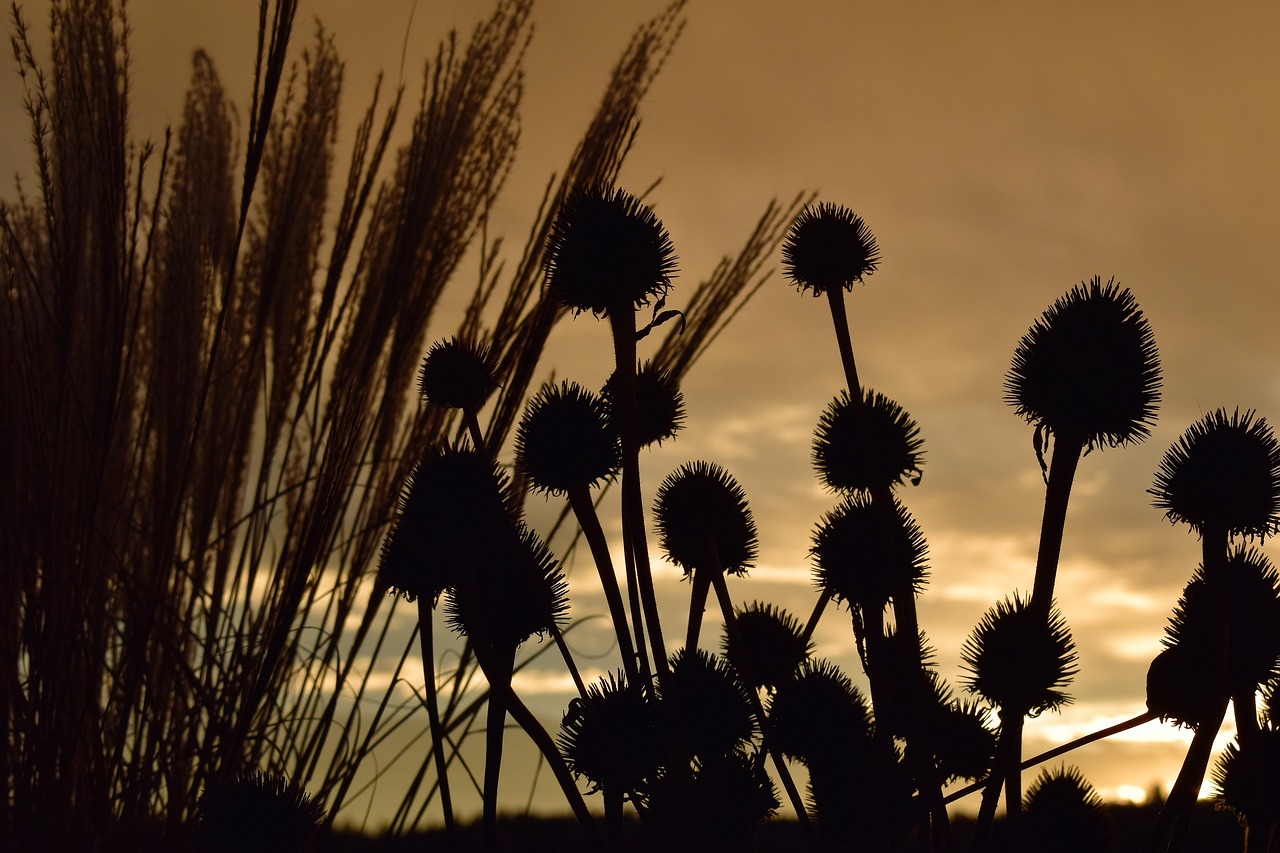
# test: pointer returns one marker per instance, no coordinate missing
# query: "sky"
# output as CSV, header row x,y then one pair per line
x,y
1001,152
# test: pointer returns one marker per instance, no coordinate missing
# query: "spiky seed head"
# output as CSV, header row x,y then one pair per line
x,y
660,411
454,500
730,796
829,247
856,560
607,251
458,373
840,458
1237,774
1018,661
1186,686
1064,814
702,519
819,711
565,441
963,741
1241,604
1222,474
258,811
614,738
518,591
773,643
713,710
1088,369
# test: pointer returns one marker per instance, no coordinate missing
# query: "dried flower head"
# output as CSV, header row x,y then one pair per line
x,y
258,811
608,252
839,456
660,408
565,441
1064,814
614,737
829,247
1222,474
856,560
819,711
1018,661
713,710
1186,686
730,795
703,520
455,500
963,742
1088,369
772,641
1237,774
457,373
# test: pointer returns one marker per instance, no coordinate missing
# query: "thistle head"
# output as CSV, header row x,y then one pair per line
x,y
660,408
454,501
772,641
1222,474
856,560
614,738
829,247
258,811
458,373
730,795
818,712
1088,369
564,440
703,520
1019,661
840,458
1063,813
714,712
1237,774
607,251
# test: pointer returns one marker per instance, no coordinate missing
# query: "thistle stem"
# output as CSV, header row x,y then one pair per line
x,y
589,522
1171,825
433,719
697,606
502,664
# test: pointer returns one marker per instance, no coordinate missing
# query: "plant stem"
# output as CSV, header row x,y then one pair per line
x,y
433,719
589,523
502,663
697,606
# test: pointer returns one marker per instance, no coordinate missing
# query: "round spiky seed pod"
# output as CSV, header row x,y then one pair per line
x,y
1088,369
838,453
1187,686
1222,474
454,501
857,561
614,738
518,591
258,811
963,741
458,373
773,642
866,797
702,519
714,712
1018,661
1064,814
660,411
565,441
607,251
819,712
731,795
1235,778
828,247
1240,603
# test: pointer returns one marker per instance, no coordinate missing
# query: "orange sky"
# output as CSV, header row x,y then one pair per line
x,y
1001,153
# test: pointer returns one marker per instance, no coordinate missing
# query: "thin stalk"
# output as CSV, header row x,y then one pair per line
x,y
589,522
433,720
503,661
823,600
697,606
1169,831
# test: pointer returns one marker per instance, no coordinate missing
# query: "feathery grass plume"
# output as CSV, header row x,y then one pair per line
x,y
1087,371
258,811
818,711
829,247
837,452
730,795
1236,776
1017,662
615,738
1064,814
1222,474
703,520
773,642
714,714
457,373
660,411
607,251
565,441
853,562
456,502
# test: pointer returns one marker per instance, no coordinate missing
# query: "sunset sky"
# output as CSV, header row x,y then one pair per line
x,y
1001,152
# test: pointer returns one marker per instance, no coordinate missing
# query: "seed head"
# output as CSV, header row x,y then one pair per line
x,y
829,247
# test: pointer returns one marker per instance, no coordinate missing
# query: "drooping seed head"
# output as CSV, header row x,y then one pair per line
x,y
1222,474
840,458
702,518
773,642
660,411
1018,661
607,251
856,560
1088,369
1186,686
565,441
829,247
457,373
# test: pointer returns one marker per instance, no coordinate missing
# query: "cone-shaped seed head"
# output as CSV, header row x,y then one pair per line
x,y
614,738
258,811
1064,814
828,247
660,411
819,711
714,713
1235,776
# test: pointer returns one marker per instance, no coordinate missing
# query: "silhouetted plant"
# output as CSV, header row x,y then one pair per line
x,y
660,411
731,795
1063,814
709,705
772,641
836,449
258,812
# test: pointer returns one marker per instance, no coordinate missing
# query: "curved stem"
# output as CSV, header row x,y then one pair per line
x,y
697,606
433,720
1171,825
589,522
